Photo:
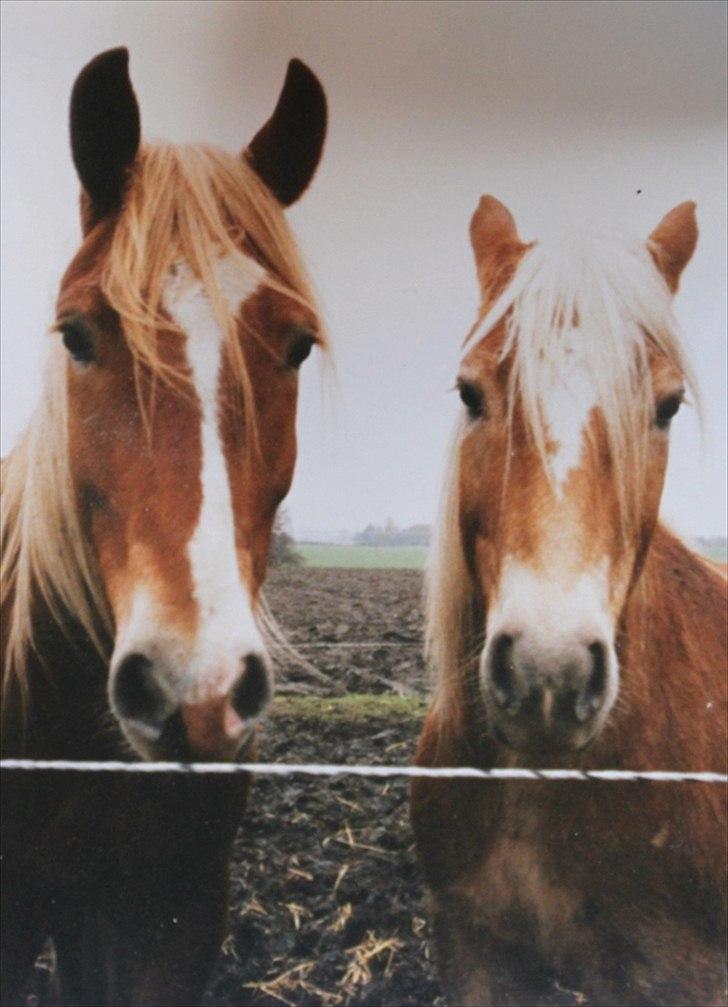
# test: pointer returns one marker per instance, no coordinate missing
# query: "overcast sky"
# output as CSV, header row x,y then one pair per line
x,y
605,114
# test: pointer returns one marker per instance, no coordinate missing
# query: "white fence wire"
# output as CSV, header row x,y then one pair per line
x,y
344,769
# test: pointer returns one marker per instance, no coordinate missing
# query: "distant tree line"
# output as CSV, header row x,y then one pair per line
x,y
390,534
283,550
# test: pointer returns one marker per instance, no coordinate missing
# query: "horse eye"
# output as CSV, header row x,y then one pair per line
x,y
78,340
666,409
300,349
472,398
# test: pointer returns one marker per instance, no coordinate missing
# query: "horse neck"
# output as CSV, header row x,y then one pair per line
x,y
672,654
65,714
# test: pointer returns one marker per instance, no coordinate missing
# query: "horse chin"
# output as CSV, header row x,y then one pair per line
x,y
541,746
171,743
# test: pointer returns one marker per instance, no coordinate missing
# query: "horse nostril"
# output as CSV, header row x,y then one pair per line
x,y
252,692
136,695
592,695
502,674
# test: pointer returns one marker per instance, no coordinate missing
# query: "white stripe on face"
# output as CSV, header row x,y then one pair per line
x,y
552,603
554,613
226,628
567,406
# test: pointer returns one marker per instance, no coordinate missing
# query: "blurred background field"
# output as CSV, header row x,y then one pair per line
x,y
363,557
414,557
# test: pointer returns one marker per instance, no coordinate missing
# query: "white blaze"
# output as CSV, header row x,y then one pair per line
x,y
557,609
569,399
555,606
227,629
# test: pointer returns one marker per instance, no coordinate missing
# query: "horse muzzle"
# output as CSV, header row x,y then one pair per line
x,y
547,699
162,720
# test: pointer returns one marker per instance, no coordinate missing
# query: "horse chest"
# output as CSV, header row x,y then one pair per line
x,y
519,890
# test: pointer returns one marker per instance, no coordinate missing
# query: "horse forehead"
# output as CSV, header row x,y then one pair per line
x,y
189,301
569,396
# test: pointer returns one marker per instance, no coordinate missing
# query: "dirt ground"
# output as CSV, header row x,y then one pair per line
x,y
328,906
324,612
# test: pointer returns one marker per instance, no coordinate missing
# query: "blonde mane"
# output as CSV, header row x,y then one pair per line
x,y
191,203
588,300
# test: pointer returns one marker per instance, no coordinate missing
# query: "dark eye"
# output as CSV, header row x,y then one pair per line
x,y
472,397
301,345
78,340
666,409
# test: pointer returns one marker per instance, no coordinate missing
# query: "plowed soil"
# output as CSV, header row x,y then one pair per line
x,y
328,907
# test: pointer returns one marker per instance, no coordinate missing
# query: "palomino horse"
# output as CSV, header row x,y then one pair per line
x,y
567,627
138,509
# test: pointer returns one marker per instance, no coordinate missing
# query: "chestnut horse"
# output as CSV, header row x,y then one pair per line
x,y
138,509
568,628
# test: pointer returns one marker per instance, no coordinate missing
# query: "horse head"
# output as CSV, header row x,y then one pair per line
x,y
569,382
183,320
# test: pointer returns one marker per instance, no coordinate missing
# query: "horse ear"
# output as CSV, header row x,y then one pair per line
x,y
494,237
673,242
286,151
105,132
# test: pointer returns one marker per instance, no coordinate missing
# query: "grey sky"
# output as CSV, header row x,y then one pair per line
x,y
562,110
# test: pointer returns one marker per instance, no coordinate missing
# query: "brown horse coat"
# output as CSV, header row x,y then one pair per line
x,y
612,892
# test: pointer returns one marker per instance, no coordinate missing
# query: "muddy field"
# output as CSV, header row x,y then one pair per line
x,y
329,613
327,904
328,907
